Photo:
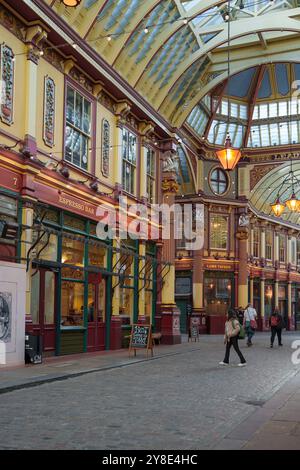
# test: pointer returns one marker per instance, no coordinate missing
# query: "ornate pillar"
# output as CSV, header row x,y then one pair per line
x,y
198,311
115,327
289,326
262,302
141,283
170,314
263,246
251,281
242,235
35,37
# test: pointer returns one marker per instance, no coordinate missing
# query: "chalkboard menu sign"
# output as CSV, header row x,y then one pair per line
x,y
141,338
194,332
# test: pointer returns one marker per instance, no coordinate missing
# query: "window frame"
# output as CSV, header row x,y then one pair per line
x,y
126,163
90,165
211,216
219,169
150,178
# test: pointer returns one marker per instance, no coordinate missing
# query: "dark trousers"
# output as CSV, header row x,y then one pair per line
x,y
233,342
274,331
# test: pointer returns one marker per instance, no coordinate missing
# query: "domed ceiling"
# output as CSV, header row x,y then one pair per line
x,y
263,107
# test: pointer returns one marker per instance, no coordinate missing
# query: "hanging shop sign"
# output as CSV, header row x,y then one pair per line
x,y
141,338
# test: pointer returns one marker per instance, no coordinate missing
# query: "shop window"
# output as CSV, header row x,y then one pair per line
x,y
282,249
35,297
78,128
129,155
269,299
72,303
218,181
72,251
151,168
183,285
269,244
46,248
218,232
97,254
217,294
256,242
96,302
74,223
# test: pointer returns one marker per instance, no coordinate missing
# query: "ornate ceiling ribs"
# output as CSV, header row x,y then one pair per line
x,y
176,65
257,82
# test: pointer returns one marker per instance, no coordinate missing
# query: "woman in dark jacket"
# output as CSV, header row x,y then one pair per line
x,y
276,323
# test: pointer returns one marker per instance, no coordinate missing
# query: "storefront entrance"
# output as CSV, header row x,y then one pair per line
x,y
43,306
96,312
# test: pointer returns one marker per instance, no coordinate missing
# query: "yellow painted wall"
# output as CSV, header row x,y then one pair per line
x,y
17,128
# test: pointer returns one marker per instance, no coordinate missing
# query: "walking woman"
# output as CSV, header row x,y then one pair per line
x,y
232,329
276,323
250,324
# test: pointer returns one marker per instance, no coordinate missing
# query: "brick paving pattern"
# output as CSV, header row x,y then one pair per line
x,y
180,400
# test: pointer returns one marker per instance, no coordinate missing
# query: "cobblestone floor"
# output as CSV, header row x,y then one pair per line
x,y
180,401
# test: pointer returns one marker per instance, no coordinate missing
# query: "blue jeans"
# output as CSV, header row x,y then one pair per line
x,y
249,331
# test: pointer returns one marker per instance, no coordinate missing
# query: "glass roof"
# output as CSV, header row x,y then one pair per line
x,y
257,108
169,50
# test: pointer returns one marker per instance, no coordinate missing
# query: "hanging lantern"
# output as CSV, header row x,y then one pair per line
x,y
71,3
228,156
277,207
293,203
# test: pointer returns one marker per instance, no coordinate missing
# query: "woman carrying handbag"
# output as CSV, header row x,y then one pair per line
x,y
233,330
250,324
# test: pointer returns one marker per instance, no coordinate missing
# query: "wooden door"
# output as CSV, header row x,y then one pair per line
x,y
96,312
43,306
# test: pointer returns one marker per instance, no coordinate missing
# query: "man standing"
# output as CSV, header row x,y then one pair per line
x,y
250,317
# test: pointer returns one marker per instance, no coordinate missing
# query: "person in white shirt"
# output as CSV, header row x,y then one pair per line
x,y
250,317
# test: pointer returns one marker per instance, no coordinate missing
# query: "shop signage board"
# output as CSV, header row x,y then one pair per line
x,y
141,338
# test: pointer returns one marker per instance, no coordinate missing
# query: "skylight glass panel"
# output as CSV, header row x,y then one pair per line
x,y
284,133
274,134
265,137
238,137
255,136
243,111
273,109
282,111
255,112
263,111
234,109
224,107
294,132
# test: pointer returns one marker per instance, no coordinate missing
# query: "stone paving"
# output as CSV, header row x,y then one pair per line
x,y
182,399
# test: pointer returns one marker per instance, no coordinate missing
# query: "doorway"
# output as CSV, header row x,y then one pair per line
x,y
43,306
96,317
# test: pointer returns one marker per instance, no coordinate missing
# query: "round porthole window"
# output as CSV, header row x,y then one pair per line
x,y
218,181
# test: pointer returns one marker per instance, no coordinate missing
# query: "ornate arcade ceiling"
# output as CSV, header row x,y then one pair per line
x,y
174,52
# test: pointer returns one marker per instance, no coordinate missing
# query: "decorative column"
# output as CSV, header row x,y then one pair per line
x,y
262,303
198,312
242,235
26,243
170,321
263,246
115,327
141,283
251,284
35,37
289,326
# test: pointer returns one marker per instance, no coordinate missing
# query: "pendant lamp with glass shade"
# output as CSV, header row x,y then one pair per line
x,y
71,3
228,156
